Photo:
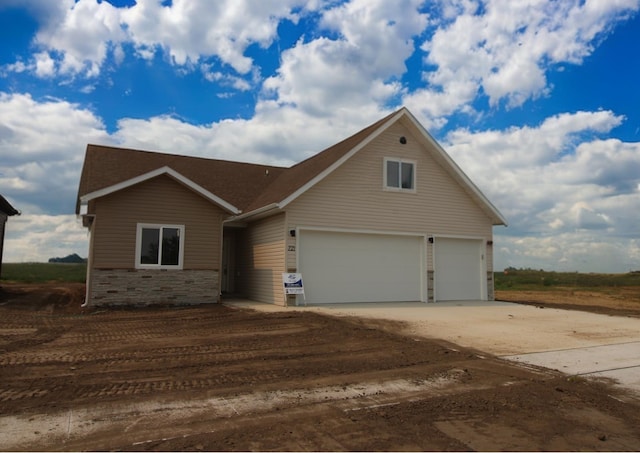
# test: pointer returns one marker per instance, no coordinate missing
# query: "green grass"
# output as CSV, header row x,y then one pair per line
x,y
43,272
528,279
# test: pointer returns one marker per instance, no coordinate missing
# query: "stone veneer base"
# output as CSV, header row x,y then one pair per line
x,y
153,287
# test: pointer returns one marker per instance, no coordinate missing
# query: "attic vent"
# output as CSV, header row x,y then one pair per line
x,y
403,140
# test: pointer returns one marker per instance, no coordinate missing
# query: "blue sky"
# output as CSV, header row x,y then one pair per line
x,y
536,100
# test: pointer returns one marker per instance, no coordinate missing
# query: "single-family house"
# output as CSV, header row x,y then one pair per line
x,y
6,211
382,216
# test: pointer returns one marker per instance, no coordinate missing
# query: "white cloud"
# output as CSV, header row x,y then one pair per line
x,y
279,135
45,66
356,71
558,180
504,49
36,238
580,251
42,146
81,34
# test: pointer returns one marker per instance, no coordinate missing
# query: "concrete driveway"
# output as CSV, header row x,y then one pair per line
x,y
573,342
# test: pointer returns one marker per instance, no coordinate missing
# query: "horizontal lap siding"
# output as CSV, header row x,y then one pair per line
x,y
160,200
264,259
352,197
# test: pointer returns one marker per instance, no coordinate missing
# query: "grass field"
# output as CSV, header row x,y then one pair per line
x,y
538,280
43,272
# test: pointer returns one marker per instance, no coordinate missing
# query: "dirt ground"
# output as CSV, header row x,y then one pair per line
x,y
217,378
621,301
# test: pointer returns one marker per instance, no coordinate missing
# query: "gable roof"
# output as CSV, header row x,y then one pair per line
x,y
106,168
6,207
155,173
253,188
310,171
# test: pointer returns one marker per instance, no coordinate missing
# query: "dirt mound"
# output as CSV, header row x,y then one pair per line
x,y
55,297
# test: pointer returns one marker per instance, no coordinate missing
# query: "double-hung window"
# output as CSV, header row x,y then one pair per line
x,y
159,246
399,174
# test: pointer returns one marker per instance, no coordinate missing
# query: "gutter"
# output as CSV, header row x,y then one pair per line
x,y
262,210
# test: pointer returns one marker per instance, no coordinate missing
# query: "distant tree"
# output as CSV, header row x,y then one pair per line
x,y
73,258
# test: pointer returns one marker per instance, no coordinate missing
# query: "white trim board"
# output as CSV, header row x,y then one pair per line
x,y
153,174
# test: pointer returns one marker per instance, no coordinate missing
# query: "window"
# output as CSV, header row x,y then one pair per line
x,y
159,246
399,175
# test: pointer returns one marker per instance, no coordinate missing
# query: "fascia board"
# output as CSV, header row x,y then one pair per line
x,y
254,213
340,161
157,172
458,171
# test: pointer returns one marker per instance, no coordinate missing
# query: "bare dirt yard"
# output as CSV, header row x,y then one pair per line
x,y
221,378
620,301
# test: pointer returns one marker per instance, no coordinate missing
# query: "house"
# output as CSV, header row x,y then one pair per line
x,y
6,211
382,216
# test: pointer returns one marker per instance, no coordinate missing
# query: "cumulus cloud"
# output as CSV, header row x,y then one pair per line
x,y
77,36
35,238
373,40
569,252
279,135
557,180
502,49
42,145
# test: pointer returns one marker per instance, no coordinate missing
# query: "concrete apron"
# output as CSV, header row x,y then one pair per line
x,y
573,342
620,362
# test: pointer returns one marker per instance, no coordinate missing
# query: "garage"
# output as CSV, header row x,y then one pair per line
x,y
459,269
339,267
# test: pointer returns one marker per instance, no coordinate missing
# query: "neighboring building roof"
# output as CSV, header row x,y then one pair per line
x,y
251,188
6,207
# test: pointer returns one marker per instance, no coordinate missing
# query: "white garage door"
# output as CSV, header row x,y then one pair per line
x,y
353,267
459,269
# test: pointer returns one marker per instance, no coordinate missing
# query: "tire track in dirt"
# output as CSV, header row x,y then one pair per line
x,y
217,378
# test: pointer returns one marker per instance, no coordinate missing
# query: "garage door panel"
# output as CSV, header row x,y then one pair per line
x,y
458,269
350,267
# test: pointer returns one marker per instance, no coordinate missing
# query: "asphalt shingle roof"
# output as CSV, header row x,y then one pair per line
x,y
6,207
246,186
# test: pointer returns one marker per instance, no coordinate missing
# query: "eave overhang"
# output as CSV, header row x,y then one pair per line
x,y
168,171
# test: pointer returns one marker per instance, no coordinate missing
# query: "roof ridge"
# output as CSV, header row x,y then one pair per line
x,y
93,146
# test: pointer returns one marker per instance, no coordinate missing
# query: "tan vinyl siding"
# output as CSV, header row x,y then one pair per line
x,y
263,259
160,200
352,197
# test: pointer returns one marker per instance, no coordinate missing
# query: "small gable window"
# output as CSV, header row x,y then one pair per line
x,y
399,174
159,246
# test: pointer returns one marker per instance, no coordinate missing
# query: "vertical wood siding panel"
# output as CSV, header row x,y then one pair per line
x,y
160,200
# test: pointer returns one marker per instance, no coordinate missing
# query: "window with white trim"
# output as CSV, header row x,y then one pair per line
x,y
399,174
159,246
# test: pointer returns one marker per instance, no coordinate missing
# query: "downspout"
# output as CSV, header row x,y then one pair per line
x,y
4,225
87,291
